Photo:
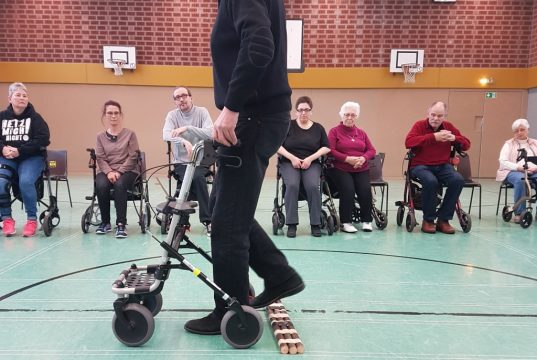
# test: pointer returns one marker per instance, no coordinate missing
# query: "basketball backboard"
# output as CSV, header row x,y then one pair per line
x,y
405,56
125,53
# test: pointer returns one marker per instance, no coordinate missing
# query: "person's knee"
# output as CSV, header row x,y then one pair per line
x,y
26,184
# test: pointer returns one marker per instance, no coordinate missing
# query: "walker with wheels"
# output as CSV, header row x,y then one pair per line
x,y
526,216
138,288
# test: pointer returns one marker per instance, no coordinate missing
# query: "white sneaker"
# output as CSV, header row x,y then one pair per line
x,y
367,227
348,228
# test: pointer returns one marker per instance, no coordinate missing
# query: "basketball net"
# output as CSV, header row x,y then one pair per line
x,y
409,71
118,65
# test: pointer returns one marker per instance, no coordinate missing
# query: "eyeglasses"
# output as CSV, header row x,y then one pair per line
x,y
305,110
179,97
112,113
352,115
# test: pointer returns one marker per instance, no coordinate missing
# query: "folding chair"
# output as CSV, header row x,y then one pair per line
x,y
465,169
375,175
57,165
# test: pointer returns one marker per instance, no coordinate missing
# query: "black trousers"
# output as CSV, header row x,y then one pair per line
x,y
238,241
349,184
124,183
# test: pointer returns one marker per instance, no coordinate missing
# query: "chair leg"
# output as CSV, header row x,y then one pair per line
x,y
499,197
69,192
480,202
471,199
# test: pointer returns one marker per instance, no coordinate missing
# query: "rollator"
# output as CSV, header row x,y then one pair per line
x,y
138,288
526,216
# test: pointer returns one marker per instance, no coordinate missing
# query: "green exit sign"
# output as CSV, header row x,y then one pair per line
x,y
490,95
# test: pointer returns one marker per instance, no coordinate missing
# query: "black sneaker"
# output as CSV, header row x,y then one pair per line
x,y
289,287
103,229
316,230
291,231
208,325
121,231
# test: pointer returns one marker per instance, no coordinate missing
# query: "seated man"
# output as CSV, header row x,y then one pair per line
x,y
185,126
431,139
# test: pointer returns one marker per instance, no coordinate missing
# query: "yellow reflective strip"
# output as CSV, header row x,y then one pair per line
x,y
196,271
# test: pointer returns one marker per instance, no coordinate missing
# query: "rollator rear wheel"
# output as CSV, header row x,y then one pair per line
x,y
526,219
410,221
153,303
164,224
278,221
506,214
86,220
239,335
400,215
466,222
140,327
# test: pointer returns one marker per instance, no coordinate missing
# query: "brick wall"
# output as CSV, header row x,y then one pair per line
x,y
337,33
532,61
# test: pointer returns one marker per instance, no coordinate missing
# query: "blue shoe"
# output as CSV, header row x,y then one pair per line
x,y
103,229
121,231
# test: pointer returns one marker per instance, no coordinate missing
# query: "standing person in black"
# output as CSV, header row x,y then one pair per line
x,y
248,45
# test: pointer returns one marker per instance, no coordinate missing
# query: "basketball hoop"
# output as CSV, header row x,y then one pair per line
x,y
118,65
410,70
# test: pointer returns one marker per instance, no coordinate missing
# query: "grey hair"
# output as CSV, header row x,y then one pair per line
x,y
520,122
16,86
350,105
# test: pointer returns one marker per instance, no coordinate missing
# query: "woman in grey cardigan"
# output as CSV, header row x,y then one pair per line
x,y
117,159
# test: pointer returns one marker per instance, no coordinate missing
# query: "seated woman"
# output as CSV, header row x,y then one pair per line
x,y
117,159
513,171
25,135
306,142
351,149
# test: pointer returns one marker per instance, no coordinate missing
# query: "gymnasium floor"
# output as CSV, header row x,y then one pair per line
x,y
383,295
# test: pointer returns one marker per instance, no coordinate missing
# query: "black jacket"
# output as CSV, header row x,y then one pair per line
x,y
249,51
28,132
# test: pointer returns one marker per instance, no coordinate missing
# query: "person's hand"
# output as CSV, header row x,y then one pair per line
x,y
188,146
360,160
351,160
177,132
296,162
444,135
10,152
113,176
306,163
224,127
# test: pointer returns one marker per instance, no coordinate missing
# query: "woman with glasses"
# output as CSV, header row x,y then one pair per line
x,y
351,150
25,135
117,159
300,153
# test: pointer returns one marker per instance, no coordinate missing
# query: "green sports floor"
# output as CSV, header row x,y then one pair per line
x,y
388,294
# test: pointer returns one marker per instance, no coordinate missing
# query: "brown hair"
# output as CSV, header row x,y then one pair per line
x,y
304,99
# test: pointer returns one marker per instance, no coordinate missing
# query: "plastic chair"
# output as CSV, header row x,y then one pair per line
x,y
375,175
465,169
57,165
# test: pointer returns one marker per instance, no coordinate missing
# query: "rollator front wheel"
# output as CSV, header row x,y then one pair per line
x,y
400,215
526,219
86,220
380,219
47,225
410,221
330,225
139,327
242,335
507,214
164,224
466,222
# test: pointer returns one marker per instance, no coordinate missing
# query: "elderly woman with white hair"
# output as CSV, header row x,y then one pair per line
x,y
351,150
513,171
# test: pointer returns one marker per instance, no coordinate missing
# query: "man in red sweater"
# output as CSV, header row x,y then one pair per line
x,y
431,140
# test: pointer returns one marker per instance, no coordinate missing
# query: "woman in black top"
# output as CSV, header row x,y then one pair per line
x,y
306,142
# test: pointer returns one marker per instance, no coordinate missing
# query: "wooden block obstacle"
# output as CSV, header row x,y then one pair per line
x,y
284,331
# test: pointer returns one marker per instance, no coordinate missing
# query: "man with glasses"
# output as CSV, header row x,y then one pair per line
x,y
185,126
430,140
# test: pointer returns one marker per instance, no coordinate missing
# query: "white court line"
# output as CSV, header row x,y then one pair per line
x,y
35,254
